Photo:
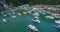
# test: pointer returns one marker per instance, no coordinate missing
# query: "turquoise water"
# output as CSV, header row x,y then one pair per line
x,y
21,22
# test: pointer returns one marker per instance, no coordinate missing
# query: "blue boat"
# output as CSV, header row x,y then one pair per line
x,y
57,27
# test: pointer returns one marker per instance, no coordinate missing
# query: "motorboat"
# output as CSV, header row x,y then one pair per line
x,y
36,20
13,16
4,21
49,17
32,27
36,14
19,14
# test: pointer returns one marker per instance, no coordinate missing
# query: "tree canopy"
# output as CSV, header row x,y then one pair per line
x,y
33,2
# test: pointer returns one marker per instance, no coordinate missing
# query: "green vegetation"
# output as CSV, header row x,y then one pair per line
x,y
33,2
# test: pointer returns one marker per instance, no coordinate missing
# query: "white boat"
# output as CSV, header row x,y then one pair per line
x,y
34,9
56,15
5,15
4,21
49,12
49,17
24,12
36,14
36,17
32,27
43,13
40,11
29,12
57,21
9,13
19,14
13,16
37,21
13,12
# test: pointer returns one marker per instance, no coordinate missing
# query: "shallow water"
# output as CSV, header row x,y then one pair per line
x,y
21,22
